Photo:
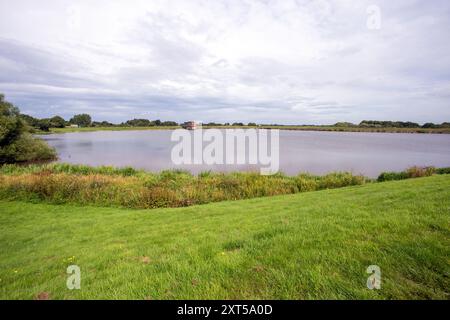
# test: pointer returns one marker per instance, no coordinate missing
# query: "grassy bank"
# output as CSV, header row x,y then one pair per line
x,y
130,188
315,245
301,128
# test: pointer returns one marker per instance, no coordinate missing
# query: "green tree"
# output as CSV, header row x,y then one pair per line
x,y
16,143
169,124
102,124
430,125
11,126
44,125
344,124
82,120
31,121
138,123
57,122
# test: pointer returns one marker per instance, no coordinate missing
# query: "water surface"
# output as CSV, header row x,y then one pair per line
x,y
300,151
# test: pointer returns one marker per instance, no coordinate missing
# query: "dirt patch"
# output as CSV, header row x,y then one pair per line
x,y
145,260
42,296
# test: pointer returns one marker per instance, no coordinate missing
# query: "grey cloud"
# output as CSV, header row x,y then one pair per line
x,y
264,61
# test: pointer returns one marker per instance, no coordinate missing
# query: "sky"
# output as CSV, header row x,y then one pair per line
x,y
264,61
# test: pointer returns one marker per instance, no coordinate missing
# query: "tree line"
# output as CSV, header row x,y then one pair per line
x,y
85,120
392,124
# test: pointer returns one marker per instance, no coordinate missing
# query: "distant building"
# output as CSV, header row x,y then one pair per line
x,y
190,125
73,126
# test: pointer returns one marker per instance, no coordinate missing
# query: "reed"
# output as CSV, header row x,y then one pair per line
x,y
130,188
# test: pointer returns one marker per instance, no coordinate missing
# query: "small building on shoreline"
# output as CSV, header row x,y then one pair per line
x,y
190,125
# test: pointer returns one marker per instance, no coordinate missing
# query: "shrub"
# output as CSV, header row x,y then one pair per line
x,y
389,176
443,170
26,148
16,143
413,172
417,172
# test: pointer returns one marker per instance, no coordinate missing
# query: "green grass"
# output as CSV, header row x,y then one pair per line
x,y
314,245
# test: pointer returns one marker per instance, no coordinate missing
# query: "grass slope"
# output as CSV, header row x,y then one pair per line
x,y
314,245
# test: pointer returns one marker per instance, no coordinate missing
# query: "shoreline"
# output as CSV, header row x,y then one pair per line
x,y
288,128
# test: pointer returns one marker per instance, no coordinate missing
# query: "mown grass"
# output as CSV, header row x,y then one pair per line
x,y
130,188
315,245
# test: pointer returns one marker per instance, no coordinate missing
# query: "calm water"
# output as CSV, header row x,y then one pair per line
x,y
315,152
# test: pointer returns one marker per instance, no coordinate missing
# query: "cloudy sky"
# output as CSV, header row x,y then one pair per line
x,y
266,61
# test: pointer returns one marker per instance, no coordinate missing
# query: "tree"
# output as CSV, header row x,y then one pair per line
x,y
57,122
138,123
16,143
82,120
344,124
430,125
44,125
31,121
102,124
388,124
169,124
11,126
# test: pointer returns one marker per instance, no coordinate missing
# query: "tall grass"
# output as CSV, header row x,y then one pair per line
x,y
127,187
131,188
14,169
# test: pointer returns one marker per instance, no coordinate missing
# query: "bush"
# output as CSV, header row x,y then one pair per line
x,y
443,170
389,176
418,172
413,172
16,143
26,148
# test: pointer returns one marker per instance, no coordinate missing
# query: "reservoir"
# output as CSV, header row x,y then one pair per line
x,y
315,152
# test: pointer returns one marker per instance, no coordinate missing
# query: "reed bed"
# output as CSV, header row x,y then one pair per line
x,y
130,188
